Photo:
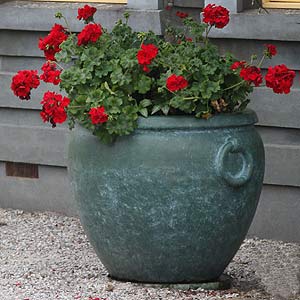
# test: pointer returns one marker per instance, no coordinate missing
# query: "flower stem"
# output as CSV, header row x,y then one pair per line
x,y
53,61
233,86
77,106
142,42
261,61
67,24
207,30
191,98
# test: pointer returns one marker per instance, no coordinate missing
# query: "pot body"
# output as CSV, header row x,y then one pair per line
x,y
172,202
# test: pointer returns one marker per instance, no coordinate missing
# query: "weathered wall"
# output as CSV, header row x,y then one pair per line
x,y
24,138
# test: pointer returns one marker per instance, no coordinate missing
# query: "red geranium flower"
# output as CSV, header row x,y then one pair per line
x,y
280,79
252,74
23,82
168,7
98,115
51,74
90,33
271,50
146,55
53,109
50,44
237,65
181,14
175,83
86,13
216,15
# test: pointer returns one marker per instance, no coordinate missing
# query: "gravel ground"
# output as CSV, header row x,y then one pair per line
x,y
46,256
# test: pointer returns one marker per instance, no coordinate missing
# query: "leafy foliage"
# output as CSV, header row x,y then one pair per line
x,y
107,73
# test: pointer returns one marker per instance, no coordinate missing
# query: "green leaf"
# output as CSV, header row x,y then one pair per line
x,y
145,103
143,85
243,105
144,112
165,109
108,88
116,75
208,88
71,121
186,105
155,109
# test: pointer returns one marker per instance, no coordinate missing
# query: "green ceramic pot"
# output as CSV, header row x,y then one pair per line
x,y
172,202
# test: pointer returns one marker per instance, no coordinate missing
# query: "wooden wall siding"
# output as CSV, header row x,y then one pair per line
x,y
25,138
188,3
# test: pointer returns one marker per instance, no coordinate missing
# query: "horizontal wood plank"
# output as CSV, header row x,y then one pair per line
x,y
39,17
277,215
277,110
281,26
287,52
279,136
33,144
282,164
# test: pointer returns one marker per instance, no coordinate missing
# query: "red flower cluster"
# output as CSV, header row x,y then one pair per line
x,y
252,74
98,115
181,14
280,79
238,64
168,7
146,55
271,50
176,83
216,15
23,82
90,33
51,74
86,13
50,44
53,109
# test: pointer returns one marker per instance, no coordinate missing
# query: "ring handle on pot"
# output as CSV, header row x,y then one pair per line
x,y
242,177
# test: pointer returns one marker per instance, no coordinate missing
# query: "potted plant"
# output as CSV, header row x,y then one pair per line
x,y
165,162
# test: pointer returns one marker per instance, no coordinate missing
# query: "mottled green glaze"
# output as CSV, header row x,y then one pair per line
x,y
172,202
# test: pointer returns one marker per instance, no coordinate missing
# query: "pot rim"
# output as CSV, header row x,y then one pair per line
x,y
236,119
